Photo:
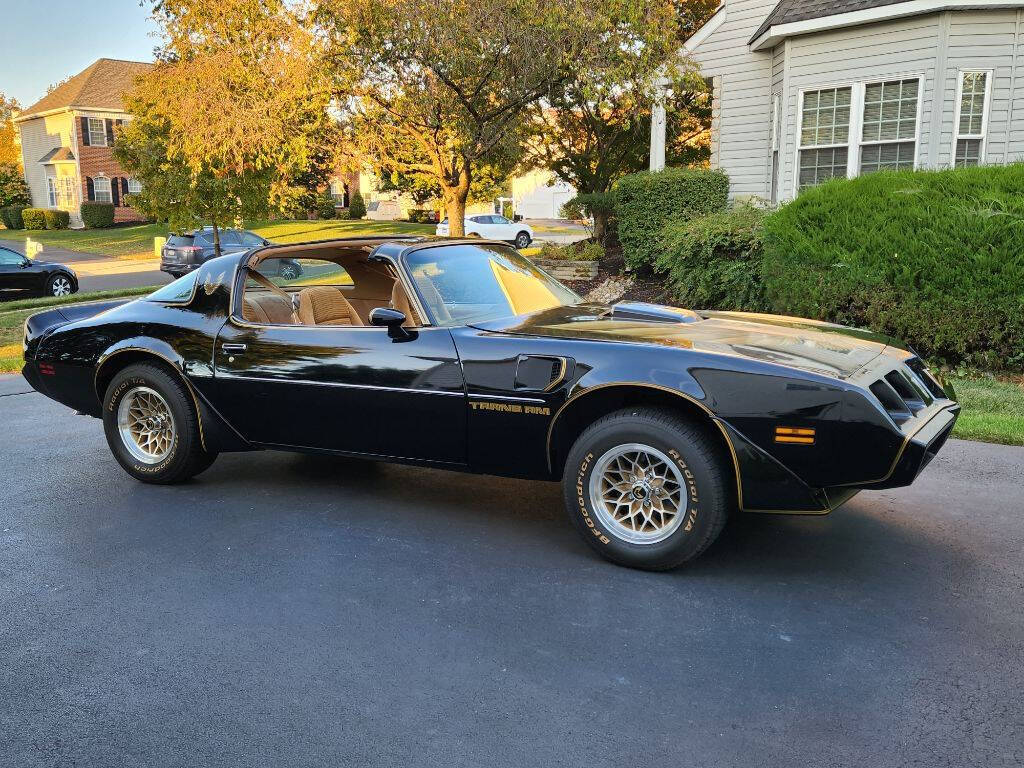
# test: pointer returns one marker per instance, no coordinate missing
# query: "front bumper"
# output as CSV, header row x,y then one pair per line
x,y
919,448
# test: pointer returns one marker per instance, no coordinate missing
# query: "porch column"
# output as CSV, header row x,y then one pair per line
x,y
658,131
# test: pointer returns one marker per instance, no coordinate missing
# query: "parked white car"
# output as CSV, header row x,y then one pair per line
x,y
494,227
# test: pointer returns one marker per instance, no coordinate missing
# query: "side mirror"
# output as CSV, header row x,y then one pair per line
x,y
392,319
26,262
517,217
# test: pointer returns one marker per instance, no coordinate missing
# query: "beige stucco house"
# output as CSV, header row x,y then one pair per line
x,y
806,90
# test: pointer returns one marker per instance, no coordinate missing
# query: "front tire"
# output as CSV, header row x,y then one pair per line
x,y
523,240
289,271
647,489
60,285
152,427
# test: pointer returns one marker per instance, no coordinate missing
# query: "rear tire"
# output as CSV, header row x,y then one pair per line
x,y
647,489
152,427
523,240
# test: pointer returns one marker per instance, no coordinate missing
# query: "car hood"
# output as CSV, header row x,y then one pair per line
x,y
810,345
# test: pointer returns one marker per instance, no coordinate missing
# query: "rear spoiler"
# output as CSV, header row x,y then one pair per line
x,y
41,322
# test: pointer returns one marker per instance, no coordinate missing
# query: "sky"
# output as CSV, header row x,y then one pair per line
x,y
44,41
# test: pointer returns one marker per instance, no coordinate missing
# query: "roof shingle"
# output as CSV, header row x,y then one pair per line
x,y
801,10
98,86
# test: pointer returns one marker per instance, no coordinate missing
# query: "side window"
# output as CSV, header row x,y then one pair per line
x,y
230,237
274,294
204,240
250,240
9,258
179,290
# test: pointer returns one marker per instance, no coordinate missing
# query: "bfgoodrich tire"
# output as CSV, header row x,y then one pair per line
x,y
151,425
647,489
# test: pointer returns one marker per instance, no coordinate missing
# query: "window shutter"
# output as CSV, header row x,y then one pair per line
x,y
124,185
115,189
85,131
90,189
109,125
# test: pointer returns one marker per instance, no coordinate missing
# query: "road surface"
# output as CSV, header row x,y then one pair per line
x,y
306,611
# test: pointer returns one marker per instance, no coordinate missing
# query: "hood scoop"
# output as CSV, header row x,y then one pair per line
x,y
655,313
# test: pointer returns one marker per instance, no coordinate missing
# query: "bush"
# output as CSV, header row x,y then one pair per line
x,y
13,189
586,250
57,219
356,207
935,258
325,206
11,216
714,261
97,215
34,218
419,215
645,202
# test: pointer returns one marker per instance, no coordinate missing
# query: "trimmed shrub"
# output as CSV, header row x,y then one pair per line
x,y
935,258
714,261
11,216
97,215
646,202
419,215
356,207
13,189
57,219
325,206
34,218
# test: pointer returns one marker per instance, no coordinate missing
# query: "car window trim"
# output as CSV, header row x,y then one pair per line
x,y
235,303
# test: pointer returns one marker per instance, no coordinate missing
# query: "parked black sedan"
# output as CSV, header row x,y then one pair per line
x,y
461,354
20,273
181,254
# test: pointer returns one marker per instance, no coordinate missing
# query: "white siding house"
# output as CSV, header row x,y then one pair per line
x,y
804,91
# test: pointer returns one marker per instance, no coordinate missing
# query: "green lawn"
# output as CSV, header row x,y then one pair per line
x,y
993,411
137,241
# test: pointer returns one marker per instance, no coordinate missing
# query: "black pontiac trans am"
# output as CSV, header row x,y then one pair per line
x,y
461,354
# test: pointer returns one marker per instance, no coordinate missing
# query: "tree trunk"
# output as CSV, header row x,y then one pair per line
x,y
600,226
216,239
455,203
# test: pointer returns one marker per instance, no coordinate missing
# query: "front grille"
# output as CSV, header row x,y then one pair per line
x,y
906,390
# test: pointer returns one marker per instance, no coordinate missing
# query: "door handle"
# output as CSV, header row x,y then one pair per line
x,y
233,348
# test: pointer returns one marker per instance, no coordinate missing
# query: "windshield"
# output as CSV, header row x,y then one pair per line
x,y
463,284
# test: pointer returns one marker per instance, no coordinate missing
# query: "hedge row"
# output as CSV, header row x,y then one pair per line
x,y
97,215
934,258
44,218
10,216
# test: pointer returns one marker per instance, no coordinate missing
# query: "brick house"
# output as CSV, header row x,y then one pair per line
x,y
66,140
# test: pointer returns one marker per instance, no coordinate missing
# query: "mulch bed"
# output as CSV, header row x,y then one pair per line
x,y
648,288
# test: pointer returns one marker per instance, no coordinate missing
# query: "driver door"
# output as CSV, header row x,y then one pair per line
x,y
347,388
14,274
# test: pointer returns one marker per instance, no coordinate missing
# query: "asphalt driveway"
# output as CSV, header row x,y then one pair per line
x,y
301,611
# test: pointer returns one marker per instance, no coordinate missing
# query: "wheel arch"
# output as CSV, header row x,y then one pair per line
x,y
583,409
214,432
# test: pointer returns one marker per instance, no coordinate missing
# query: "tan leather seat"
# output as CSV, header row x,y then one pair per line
x,y
323,305
266,308
400,301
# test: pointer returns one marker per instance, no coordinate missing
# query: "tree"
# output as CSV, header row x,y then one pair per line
x,y
595,128
10,152
13,189
440,90
229,116
174,191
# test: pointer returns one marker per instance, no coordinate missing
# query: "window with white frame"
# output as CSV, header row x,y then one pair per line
x,y
889,127
51,191
134,186
337,189
824,135
971,118
101,190
776,125
97,132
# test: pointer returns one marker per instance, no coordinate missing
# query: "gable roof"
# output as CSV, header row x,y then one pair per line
x,y
802,10
58,155
98,86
